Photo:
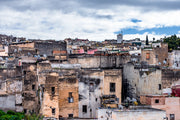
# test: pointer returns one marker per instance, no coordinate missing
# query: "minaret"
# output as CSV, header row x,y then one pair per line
x,y
147,41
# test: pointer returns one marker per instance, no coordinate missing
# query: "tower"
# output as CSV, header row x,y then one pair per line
x,y
147,41
119,38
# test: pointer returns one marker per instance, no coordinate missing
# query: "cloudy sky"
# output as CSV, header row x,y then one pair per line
x,y
89,19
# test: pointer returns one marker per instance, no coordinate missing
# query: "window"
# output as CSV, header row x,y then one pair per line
x,y
156,56
53,111
112,87
147,56
172,117
33,87
91,87
159,86
53,90
24,72
25,111
84,108
70,115
156,100
70,98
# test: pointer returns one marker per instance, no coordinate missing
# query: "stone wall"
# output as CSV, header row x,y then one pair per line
x,y
100,61
48,47
170,77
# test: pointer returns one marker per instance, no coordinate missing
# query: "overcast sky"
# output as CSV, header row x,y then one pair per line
x,y
89,19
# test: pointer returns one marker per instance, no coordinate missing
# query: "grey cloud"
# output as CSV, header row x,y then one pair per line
x,y
75,5
146,4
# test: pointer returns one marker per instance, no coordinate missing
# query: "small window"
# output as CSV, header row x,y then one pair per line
x,y
0,85
53,90
84,109
147,56
25,111
159,86
156,100
70,115
33,87
24,72
53,111
70,98
96,99
112,87
172,117
156,56
91,87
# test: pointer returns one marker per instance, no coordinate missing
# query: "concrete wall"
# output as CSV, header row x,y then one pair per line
x,y
7,102
28,44
48,47
138,114
90,98
11,89
100,61
174,59
169,104
138,81
170,77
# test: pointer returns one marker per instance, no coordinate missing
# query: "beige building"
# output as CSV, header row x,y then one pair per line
x,y
157,55
59,93
112,83
169,104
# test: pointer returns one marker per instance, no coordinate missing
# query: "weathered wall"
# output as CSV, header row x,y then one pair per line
x,y
138,114
11,88
26,44
90,90
100,61
168,104
170,77
152,59
48,47
113,76
157,55
174,59
50,99
68,83
139,81
30,88
7,102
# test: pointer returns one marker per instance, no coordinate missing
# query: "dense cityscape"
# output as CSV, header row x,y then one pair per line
x,y
114,79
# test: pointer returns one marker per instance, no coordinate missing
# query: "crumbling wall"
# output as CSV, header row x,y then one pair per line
x,y
170,77
68,94
113,76
90,91
100,61
141,81
7,102
157,55
11,89
30,88
50,101
48,47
